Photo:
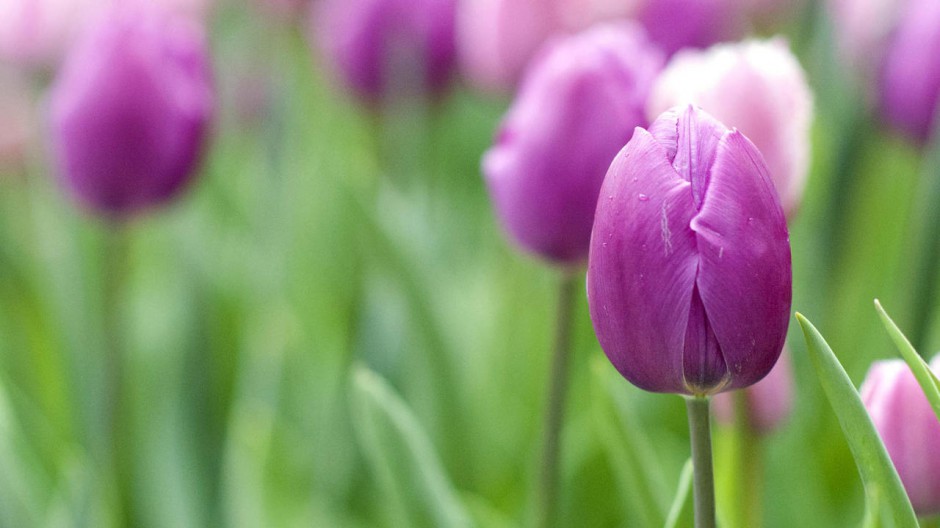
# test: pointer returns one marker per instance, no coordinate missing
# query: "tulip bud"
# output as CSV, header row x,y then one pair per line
x,y
910,74
757,87
130,109
768,401
389,47
909,429
577,107
689,279
497,38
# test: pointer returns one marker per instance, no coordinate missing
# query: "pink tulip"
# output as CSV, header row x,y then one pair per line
x,y
769,401
908,427
757,87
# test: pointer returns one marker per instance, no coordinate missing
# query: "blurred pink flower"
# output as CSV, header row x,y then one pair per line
x,y
496,39
757,87
16,118
908,427
861,28
769,401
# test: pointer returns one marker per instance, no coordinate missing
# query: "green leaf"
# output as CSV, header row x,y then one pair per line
x,y
682,514
925,377
402,457
628,448
879,477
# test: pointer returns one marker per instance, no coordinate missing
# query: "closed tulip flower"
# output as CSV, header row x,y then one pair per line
x,y
386,48
130,110
757,87
677,24
689,279
910,74
576,108
769,401
908,427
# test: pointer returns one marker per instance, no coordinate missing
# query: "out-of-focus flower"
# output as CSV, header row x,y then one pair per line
x,y
677,24
34,32
768,401
910,74
39,32
497,38
861,28
908,427
16,118
130,110
689,278
577,107
757,87
387,48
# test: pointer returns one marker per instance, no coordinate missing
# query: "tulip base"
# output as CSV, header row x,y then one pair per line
x,y
554,412
703,483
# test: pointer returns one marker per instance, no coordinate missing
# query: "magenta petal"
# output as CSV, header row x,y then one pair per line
x,y
643,249
744,271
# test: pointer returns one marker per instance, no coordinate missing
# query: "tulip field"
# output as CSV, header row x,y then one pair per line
x,y
469,263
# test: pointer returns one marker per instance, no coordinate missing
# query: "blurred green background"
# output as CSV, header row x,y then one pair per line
x,y
330,329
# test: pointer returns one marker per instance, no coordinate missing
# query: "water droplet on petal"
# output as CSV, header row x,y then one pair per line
x,y
643,198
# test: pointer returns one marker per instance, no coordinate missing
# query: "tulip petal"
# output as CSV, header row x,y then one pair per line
x,y
643,248
744,271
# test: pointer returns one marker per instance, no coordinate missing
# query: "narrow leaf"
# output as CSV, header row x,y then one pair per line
x,y
878,474
925,377
402,457
681,514
628,448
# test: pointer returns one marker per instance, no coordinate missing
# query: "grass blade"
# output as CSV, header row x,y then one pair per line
x,y
681,514
878,474
402,457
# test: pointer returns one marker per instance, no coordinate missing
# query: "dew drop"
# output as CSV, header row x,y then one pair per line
x,y
642,197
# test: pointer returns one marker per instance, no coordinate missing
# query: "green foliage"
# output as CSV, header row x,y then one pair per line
x,y
883,487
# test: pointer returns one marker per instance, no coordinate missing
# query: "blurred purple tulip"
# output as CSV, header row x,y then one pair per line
x,y
757,87
910,74
577,106
677,24
389,48
130,110
37,32
497,38
769,401
861,29
908,427
689,279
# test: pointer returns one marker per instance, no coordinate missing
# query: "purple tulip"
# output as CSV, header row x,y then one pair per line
x,y
909,429
577,107
677,24
757,87
384,48
130,109
769,401
689,279
910,74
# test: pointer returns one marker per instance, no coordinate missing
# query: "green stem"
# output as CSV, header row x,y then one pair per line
x,y
924,284
748,471
114,261
554,412
704,481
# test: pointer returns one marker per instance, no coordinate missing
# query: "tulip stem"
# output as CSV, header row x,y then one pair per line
x,y
703,483
114,259
554,412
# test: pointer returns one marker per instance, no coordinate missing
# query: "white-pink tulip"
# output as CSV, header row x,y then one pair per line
x,y
757,87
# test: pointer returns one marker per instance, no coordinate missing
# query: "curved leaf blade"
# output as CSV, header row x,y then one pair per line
x,y
681,514
879,476
925,377
402,457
